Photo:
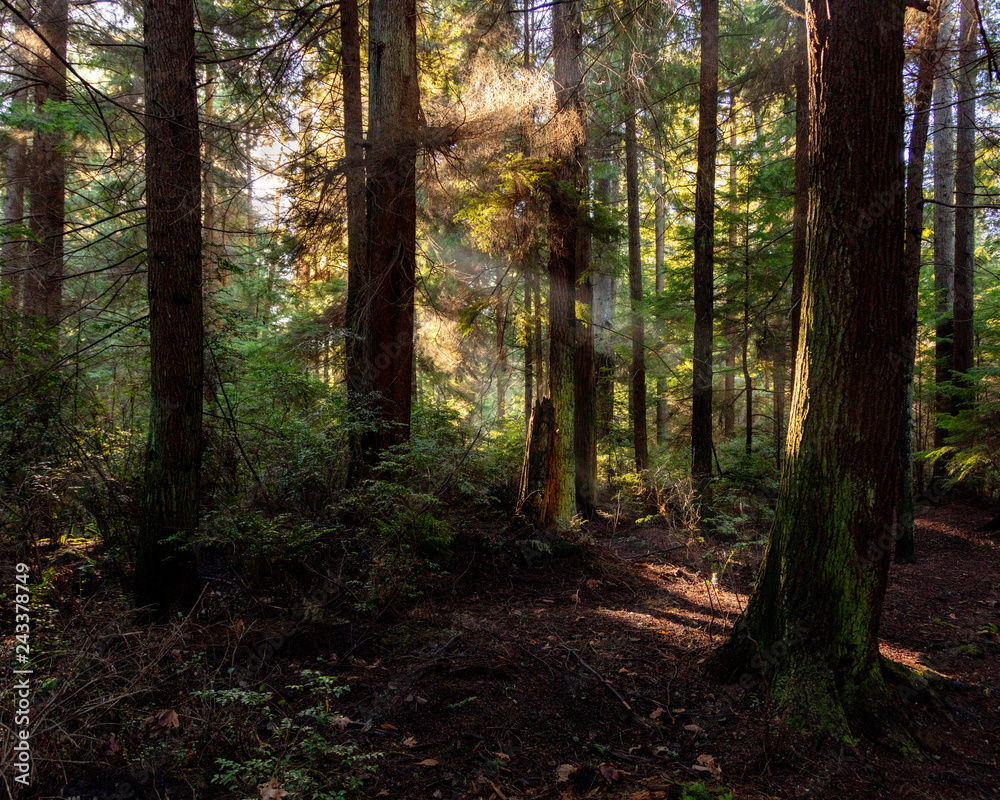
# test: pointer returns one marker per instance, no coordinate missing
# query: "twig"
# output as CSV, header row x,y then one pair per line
x,y
598,675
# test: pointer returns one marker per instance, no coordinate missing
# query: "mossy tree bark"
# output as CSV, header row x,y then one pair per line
x,y
813,618
165,570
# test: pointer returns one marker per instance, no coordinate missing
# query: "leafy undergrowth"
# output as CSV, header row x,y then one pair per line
x,y
513,674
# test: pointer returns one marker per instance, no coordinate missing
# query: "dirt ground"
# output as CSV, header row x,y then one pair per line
x,y
583,676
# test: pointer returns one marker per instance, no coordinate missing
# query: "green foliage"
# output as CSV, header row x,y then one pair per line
x,y
698,791
300,751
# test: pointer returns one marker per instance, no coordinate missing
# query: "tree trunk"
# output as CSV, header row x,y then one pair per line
x,y
391,225
165,573
927,51
47,178
965,201
747,380
812,621
14,247
800,214
528,351
584,376
660,228
944,231
211,223
354,180
704,246
640,439
500,327
604,301
563,232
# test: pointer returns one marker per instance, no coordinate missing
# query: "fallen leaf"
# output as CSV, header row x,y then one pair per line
x,y
592,584
546,600
113,746
427,762
610,773
409,741
659,712
162,721
387,727
564,771
706,763
271,790
695,729
502,756
340,721
408,698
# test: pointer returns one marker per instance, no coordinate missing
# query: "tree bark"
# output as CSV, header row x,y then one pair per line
x,y
165,572
354,180
640,436
660,228
927,55
944,231
391,225
605,190
965,200
47,179
800,214
812,621
13,254
584,375
563,232
704,246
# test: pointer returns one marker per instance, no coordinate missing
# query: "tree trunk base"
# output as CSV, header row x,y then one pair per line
x,y
810,707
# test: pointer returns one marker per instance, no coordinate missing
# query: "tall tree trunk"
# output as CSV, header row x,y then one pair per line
x,y
800,215
564,212
927,55
640,438
660,228
529,378
165,572
965,201
47,178
387,302
778,404
747,380
704,259
500,329
584,375
211,222
944,230
13,252
814,614
354,180
729,380
604,300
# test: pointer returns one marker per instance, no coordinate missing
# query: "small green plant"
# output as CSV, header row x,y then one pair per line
x,y
698,791
301,751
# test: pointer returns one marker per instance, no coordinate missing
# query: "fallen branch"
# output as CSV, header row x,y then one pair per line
x,y
598,675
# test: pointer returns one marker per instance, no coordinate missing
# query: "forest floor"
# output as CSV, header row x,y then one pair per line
x,y
571,677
